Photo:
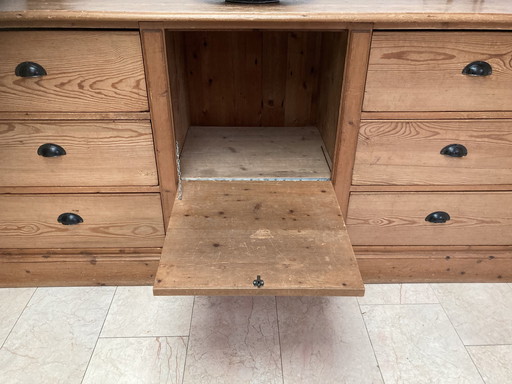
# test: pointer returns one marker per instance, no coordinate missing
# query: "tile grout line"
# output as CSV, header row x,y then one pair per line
x,y
19,316
279,339
99,335
370,340
457,333
188,340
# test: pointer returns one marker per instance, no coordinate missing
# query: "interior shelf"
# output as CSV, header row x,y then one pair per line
x,y
254,153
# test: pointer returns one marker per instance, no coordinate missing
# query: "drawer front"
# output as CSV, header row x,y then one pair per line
x,y
409,153
97,153
399,218
86,71
110,221
422,71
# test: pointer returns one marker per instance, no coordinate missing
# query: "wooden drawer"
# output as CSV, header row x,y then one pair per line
x,y
399,218
113,221
97,153
87,71
422,71
409,153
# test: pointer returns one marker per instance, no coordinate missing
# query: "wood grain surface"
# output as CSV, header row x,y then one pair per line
x,y
87,71
422,71
477,218
222,235
302,13
98,153
112,221
408,153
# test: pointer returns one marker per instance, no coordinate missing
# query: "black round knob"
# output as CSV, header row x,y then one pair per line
x,y
51,150
69,218
29,69
438,217
477,68
454,150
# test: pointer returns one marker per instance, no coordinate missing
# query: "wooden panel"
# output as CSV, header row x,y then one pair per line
x,y
252,78
436,266
87,71
97,153
430,188
415,115
30,221
179,92
65,268
477,218
162,119
74,116
350,114
223,234
422,71
408,152
247,153
334,48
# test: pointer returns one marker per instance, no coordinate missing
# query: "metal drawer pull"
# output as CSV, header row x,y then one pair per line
x,y
51,150
477,68
258,282
69,219
454,150
438,217
30,69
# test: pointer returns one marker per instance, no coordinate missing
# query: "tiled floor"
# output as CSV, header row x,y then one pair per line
x,y
408,333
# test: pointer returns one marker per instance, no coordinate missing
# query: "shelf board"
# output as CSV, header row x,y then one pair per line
x,y
254,154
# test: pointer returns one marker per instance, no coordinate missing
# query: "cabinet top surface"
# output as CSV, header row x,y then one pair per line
x,y
491,12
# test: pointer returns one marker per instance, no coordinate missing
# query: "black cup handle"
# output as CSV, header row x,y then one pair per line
x,y
454,150
69,219
438,217
51,150
29,69
477,68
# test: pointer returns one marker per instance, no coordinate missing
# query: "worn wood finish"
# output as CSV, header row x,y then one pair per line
x,y
223,234
350,114
477,218
252,78
74,116
461,264
87,71
301,14
422,71
408,153
162,119
430,188
332,64
57,190
450,115
247,153
115,221
69,269
97,153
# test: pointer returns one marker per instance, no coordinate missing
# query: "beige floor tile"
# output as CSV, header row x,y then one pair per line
x,y
147,360
324,340
417,294
53,340
12,303
234,340
417,344
380,294
481,313
494,362
136,312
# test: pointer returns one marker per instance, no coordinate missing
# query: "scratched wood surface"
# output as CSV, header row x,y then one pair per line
x,y
422,71
477,218
98,153
222,235
87,71
115,221
408,153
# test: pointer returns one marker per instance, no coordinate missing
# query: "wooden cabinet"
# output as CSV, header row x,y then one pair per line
x,y
221,150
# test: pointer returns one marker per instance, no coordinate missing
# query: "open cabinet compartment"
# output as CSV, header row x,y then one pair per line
x,y
256,120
